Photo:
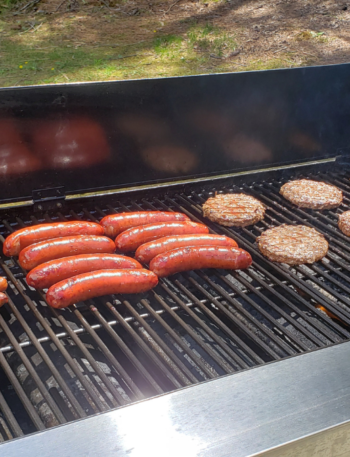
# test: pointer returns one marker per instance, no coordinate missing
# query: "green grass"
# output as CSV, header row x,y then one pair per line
x,y
311,35
9,3
164,44
6,5
267,65
196,46
50,54
210,39
25,65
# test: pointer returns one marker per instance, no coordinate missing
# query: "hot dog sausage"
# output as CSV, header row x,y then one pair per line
x,y
3,284
193,258
39,253
117,223
3,299
131,239
97,283
146,252
30,235
49,273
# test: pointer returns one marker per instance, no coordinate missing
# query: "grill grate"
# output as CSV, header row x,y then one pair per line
x,y
58,366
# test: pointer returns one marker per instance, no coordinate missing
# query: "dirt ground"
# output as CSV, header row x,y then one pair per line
x,y
50,41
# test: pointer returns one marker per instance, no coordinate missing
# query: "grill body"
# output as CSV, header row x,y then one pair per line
x,y
57,366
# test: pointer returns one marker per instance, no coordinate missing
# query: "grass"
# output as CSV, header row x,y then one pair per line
x,y
22,65
44,50
311,35
168,55
167,43
7,5
271,64
210,39
192,52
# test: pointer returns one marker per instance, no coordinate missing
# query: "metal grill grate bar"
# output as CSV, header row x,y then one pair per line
x,y
10,418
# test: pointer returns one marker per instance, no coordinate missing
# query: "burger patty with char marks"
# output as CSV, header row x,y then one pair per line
x,y
306,193
293,244
237,210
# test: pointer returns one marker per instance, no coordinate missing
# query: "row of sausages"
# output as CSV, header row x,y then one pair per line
x,y
76,261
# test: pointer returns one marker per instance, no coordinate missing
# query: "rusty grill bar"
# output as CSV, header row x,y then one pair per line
x,y
58,366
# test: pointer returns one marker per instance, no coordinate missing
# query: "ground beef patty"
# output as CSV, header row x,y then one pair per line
x,y
293,244
237,210
344,223
312,194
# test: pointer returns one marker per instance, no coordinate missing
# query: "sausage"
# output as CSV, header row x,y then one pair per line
x,y
97,283
49,273
30,235
196,257
3,284
39,253
131,239
146,252
117,223
3,299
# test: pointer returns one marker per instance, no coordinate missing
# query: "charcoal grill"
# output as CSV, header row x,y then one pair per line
x,y
203,330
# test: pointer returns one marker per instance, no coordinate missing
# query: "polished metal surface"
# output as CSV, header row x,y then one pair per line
x,y
238,416
162,130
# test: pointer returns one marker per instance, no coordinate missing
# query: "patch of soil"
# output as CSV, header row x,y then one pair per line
x,y
297,32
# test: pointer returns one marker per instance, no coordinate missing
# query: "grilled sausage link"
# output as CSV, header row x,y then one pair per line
x,y
39,253
131,239
30,235
3,299
117,223
3,284
49,273
196,257
97,283
146,252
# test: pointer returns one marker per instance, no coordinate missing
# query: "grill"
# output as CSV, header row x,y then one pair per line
x,y
58,366
170,144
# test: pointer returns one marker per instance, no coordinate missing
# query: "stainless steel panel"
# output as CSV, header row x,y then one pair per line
x,y
239,415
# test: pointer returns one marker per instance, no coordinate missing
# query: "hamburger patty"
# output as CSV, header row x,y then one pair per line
x,y
293,244
312,194
237,210
344,223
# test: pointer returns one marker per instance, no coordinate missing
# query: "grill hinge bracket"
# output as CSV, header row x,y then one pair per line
x,y
49,199
343,158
